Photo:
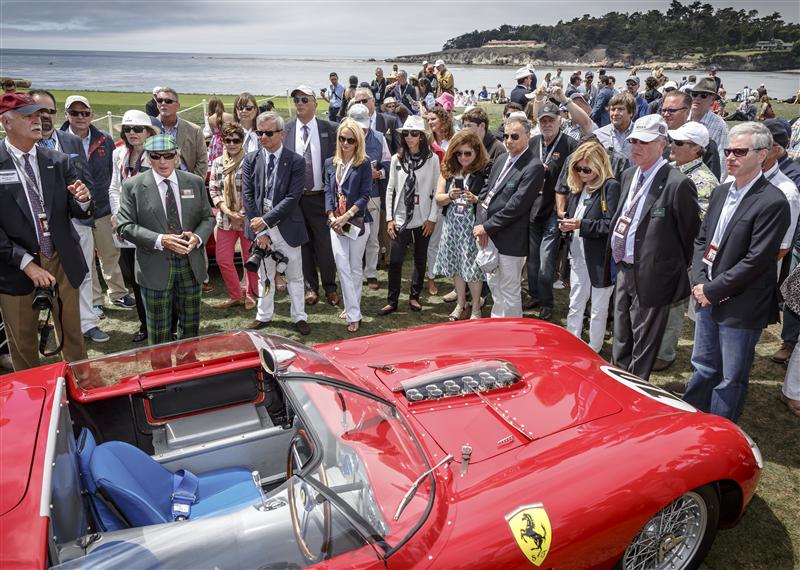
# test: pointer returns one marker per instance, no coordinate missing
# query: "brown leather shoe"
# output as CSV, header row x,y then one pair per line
x,y
372,283
207,288
228,304
414,305
660,365
249,303
303,328
388,309
783,354
793,405
256,324
311,297
332,297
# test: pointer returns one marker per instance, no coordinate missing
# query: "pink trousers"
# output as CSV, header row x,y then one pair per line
x,y
226,243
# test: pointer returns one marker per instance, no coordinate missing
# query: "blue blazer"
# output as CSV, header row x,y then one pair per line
x,y
356,187
73,148
285,213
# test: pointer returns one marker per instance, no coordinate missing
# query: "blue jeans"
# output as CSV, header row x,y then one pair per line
x,y
543,239
722,359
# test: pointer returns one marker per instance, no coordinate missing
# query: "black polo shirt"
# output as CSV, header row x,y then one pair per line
x,y
553,157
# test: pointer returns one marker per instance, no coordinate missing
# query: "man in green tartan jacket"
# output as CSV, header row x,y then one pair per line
x,y
166,214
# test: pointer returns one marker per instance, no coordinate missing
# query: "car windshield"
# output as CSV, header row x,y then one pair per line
x,y
369,457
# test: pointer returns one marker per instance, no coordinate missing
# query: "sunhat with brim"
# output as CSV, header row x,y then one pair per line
x,y
160,143
136,118
522,73
413,123
446,101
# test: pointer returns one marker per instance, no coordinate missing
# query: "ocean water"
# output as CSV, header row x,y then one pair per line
x,y
273,75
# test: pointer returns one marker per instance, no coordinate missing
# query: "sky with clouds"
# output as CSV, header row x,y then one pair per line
x,y
298,28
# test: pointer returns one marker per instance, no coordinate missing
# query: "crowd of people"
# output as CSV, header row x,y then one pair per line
x,y
642,201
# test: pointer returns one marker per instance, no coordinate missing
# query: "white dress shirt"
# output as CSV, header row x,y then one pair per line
x,y
316,151
648,175
84,141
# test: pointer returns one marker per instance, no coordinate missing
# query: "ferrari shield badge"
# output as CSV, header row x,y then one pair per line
x,y
531,529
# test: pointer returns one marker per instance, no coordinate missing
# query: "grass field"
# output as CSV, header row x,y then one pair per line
x,y
769,535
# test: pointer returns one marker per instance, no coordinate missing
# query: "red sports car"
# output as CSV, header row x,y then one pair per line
x,y
480,444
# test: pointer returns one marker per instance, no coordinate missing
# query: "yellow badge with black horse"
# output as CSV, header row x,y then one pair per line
x,y
530,526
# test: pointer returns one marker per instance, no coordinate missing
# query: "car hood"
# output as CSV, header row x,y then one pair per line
x,y
548,397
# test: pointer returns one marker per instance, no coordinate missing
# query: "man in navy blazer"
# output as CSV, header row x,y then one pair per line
x,y
315,141
734,274
504,205
272,185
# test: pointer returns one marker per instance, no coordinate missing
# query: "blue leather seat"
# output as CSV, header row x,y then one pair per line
x,y
122,478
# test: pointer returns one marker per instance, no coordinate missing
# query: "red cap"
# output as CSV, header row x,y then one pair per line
x,y
20,102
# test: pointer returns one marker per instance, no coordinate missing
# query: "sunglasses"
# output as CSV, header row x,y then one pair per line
x,y
412,134
246,108
582,170
166,101
155,156
362,101
465,153
678,143
671,111
231,141
701,95
637,141
512,136
738,152
301,99
346,140
79,113
49,111
138,129
266,133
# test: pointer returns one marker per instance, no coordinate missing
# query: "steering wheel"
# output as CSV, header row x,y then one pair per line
x,y
300,526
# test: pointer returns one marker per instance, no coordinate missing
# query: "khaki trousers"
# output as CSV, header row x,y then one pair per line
x,y
109,263
22,322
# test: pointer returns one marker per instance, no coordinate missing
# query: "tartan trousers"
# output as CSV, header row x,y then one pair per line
x,y
181,289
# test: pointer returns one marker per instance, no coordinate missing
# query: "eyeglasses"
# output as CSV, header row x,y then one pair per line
x,y
156,156
582,170
465,153
638,141
739,152
231,141
412,134
678,143
72,113
49,111
346,140
166,101
246,108
665,111
266,133
512,136
701,95
138,129
303,99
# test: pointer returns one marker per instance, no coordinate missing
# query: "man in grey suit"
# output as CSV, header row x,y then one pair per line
x,y
314,140
651,242
272,186
194,153
165,212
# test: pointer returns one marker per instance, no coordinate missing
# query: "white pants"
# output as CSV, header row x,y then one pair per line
x,y
433,248
294,278
791,384
88,318
108,253
580,291
506,287
373,244
348,253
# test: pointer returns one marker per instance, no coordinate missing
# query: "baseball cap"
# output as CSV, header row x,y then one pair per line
x,y
648,128
389,100
160,143
303,89
549,110
360,114
19,102
588,74
633,79
72,99
438,63
669,85
522,73
779,130
693,132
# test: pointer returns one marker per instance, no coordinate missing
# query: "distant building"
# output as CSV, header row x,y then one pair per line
x,y
514,43
773,44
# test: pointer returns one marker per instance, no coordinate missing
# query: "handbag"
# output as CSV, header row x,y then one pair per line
x,y
790,289
488,258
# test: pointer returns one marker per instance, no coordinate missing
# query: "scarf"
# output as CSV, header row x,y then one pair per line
x,y
410,164
230,164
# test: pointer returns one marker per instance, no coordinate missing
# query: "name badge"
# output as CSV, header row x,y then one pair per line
x,y
710,255
460,209
416,199
187,193
621,229
587,202
44,224
658,212
9,177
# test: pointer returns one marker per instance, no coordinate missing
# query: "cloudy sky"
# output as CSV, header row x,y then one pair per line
x,y
374,28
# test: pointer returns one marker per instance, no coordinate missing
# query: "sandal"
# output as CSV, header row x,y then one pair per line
x,y
353,327
457,314
343,315
280,282
476,315
433,290
414,305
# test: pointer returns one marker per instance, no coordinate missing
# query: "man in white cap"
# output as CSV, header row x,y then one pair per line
x,y
445,79
689,142
525,85
651,243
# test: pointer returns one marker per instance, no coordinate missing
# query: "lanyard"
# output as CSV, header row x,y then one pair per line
x,y
552,148
693,168
31,182
645,186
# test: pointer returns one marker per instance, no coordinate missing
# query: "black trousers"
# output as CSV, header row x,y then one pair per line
x,y
127,263
317,252
396,257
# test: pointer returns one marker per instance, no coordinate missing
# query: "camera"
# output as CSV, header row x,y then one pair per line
x,y
258,255
43,298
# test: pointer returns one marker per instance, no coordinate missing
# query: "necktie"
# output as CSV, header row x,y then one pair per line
x,y
270,176
47,143
45,243
309,172
618,243
173,218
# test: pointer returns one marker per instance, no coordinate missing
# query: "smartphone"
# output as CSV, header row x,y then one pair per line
x,y
459,183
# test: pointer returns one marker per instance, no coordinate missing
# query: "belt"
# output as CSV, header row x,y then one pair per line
x,y
625,265
312,192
